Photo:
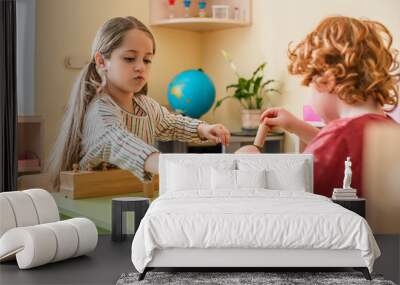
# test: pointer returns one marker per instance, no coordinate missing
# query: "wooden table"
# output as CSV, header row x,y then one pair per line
x,y
274,143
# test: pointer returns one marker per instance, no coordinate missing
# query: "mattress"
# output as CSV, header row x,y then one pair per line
x,y
250,219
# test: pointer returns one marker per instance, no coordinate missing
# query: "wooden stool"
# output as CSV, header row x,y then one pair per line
x,y
139,205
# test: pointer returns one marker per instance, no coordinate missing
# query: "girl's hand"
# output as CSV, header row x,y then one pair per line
x,y
248,149
279,117
216,133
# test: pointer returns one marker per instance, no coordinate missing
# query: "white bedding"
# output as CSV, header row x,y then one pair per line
x,y
251,218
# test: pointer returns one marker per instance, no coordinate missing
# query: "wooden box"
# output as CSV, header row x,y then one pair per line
x,y
86,184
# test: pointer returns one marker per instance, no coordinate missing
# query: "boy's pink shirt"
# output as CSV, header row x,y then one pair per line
x,y
336,141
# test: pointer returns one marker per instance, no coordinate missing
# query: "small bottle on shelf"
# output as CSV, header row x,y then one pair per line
x,y
236,13
202,8
186,4
171,5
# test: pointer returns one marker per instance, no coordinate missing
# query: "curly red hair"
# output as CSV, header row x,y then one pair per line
x,y
358,53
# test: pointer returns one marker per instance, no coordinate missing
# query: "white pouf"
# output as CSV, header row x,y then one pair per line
x,y
46,207
7,218
31,232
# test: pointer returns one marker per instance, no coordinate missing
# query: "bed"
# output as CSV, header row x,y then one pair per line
x,y
242,211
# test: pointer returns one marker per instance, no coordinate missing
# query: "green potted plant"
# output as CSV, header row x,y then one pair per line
x,y
250,92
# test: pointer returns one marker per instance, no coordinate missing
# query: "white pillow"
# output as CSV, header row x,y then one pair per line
x,y
192,174
227,179
182,177
284,174
223,179
251,178
291,176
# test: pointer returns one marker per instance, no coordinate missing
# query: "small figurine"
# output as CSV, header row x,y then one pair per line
x,y
347,192
75,167
104,166
347,174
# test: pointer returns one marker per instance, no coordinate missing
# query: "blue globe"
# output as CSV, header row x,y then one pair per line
x,y
191,93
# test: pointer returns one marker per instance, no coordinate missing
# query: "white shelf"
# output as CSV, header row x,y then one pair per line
x,y
159,16
200,24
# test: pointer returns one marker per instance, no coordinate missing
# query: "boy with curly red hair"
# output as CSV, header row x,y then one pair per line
x,y
350,67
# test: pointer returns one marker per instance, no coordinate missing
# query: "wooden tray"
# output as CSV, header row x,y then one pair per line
x,y
85,184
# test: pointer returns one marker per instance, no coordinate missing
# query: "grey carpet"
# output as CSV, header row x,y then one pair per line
x,y
242,278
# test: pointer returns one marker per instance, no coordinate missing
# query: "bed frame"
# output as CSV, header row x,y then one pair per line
x,y
244,259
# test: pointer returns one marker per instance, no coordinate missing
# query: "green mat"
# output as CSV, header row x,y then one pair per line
x,y
96,209
100,230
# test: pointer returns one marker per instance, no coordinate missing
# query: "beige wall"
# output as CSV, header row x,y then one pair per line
x,y
381,178
275,24
67,27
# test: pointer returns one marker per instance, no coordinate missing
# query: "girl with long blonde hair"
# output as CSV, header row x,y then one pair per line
x,y
110,118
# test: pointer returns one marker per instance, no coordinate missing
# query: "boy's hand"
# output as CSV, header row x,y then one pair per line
x,y
279,117
217,133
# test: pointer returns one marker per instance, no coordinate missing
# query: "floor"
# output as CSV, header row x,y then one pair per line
x,y
111,259
389,262
99,210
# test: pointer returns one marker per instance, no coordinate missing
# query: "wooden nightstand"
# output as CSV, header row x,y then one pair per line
x,y
355,205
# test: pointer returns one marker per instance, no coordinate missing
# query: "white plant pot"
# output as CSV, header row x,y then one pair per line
x,y
250,119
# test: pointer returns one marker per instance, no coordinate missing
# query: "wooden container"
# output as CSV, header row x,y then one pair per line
x,y
86,184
